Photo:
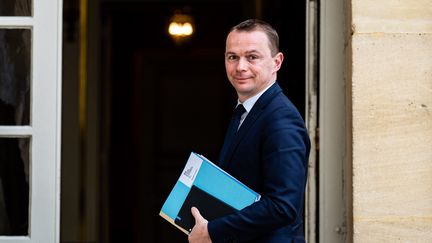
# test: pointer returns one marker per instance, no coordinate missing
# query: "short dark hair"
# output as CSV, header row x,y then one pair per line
x,y
257,24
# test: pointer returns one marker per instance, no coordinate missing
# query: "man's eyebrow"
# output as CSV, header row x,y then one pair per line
x,y
247,52
252,51
230,52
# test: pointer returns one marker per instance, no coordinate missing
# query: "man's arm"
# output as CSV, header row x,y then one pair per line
x,y
284,148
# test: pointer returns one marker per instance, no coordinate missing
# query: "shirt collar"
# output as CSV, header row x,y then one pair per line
x,y
249,103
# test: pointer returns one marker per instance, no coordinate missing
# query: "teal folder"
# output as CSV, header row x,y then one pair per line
x,y
209,188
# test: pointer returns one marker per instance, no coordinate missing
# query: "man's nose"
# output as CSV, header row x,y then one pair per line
x,y
242,64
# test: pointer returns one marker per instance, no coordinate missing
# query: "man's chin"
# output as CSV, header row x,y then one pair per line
x,y
242,86
243,90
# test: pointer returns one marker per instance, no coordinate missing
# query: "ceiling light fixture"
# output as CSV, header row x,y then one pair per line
x,y
181,27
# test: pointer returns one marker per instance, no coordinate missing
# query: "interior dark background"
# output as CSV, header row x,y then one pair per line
x,y
165,100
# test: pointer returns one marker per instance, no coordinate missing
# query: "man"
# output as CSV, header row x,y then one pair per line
x,y
269,149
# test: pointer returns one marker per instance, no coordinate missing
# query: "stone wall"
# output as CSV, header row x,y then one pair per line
x,y
391,50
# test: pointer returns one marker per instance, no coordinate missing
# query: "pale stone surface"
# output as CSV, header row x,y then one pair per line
x,y
392,137
392,16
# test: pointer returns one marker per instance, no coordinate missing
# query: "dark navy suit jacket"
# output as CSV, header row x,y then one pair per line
x,y
270,155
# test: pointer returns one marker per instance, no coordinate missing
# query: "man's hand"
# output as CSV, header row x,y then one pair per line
x,y
199,233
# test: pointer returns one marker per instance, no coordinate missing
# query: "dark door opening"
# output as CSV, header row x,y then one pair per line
x,y
165,100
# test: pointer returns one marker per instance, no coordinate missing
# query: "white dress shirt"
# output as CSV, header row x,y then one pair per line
x,y
249,103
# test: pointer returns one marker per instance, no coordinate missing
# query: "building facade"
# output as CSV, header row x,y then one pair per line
x,y
368,107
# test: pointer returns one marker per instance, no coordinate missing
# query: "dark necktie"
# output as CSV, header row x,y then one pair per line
x,y
231,132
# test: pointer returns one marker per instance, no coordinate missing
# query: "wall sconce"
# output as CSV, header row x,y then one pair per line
x,y
181,27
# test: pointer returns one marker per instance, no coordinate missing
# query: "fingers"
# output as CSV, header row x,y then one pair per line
x,y
199,232
196,214
199,219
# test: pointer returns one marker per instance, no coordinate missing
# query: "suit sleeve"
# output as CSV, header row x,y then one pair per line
x,y
284,150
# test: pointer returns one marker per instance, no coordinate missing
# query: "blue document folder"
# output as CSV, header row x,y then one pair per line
x,y
209,188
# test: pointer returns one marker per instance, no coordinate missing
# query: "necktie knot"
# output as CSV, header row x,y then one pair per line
x,y
238,112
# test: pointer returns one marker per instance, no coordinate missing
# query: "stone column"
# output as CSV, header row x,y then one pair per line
x,y
392,120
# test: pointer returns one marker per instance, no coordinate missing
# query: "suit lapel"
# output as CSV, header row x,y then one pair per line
x,y
253,115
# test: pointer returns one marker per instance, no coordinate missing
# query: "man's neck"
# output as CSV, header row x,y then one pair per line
x,y
250,102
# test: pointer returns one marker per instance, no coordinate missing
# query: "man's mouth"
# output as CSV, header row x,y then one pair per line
x,y
242,78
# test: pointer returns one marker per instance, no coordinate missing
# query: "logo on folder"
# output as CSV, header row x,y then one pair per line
x,y
191,170
190,173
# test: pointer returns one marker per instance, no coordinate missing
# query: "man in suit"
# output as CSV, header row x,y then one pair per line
x,y
268,151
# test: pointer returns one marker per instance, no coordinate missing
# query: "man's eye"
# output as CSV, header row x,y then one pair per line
x,y
232,57
252,57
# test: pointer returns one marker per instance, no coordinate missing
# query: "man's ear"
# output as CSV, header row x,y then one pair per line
x,y
278,59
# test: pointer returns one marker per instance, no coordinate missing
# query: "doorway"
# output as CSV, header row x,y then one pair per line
x,y
159,101
166,100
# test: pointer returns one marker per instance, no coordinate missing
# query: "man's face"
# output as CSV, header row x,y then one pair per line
x,y
249,64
